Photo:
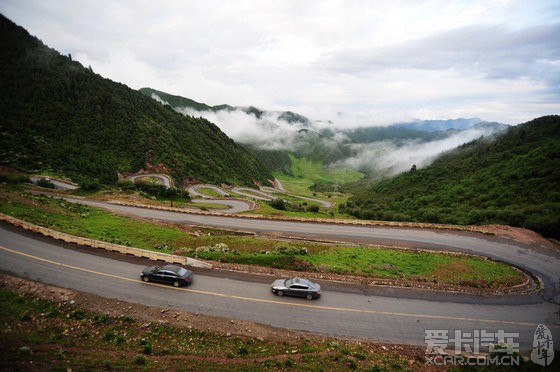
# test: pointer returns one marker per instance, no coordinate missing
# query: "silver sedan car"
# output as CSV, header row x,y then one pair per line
x,y
297,287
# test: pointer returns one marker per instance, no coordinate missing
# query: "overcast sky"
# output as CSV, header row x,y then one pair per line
x,y
374,61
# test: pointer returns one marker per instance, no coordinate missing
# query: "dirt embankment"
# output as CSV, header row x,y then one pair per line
x,y
221,326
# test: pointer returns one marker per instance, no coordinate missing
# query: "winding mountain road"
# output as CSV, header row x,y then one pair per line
x,y
163,178
233,205
385,314
254,193
58,184
280,189
193,190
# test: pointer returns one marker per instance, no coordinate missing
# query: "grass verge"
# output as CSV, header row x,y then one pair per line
x,y
209,244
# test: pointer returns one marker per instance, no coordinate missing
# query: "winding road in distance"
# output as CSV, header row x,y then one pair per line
x,y
384,314
163,178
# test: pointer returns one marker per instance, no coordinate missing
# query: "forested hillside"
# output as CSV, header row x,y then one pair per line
x,y
178,101
513,179
57,115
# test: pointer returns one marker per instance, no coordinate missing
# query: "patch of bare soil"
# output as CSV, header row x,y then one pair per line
x,y
523,236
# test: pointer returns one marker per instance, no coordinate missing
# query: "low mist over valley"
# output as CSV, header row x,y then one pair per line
x,y
361,144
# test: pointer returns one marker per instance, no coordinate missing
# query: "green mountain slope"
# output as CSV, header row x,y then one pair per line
x,y
57,115
397,134
180,102
512,179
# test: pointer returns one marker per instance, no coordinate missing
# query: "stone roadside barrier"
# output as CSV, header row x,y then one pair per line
x,y
104,245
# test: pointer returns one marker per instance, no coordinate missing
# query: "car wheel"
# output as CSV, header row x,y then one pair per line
x,y
175,283
146,279
280,293
309,297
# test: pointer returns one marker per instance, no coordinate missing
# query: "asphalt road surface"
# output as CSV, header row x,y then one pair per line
x,y
233,205
58,184
391,315
193,190
254,193
165,179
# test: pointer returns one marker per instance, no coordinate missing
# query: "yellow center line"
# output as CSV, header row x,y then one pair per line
x,y
344,309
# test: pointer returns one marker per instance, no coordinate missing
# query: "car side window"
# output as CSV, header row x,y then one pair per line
x,y
298,287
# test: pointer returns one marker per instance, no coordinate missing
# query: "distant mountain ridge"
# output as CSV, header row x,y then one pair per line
x,y
286,132
440,125
415,129
178,102
57,115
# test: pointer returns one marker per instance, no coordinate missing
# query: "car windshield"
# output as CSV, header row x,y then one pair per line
x,y
288,282
181,271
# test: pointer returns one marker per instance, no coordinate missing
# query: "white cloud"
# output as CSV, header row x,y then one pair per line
x,y
378,60
268,132
391,159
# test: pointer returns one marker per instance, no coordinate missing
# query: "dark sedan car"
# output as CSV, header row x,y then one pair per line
x,y
297,287
170,274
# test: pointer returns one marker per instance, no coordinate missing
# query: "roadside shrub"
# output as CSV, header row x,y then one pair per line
x,y
218,248
243,350
289,363
360,355
154,189
90,185
100,319
313,208
25,351
119,340
284,205
321,186
77,314
43,182
292,251
278,204
352,363
148,348
26,317
51,311
14,179
107,364
140,360
126,185
544,220
109,335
